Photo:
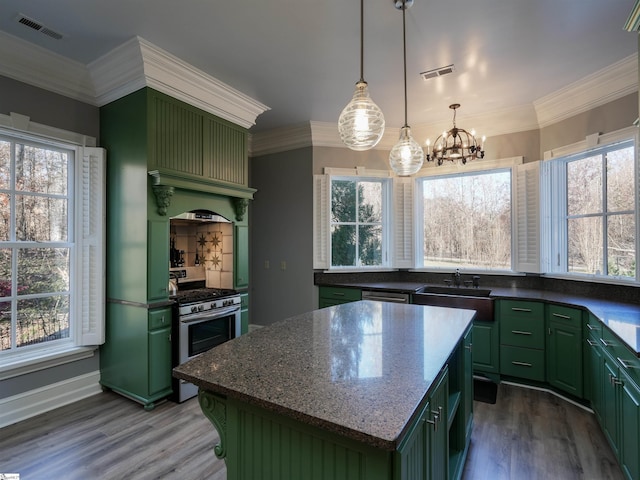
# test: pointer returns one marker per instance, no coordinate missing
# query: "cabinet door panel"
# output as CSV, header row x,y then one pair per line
x,y
486,347
609,403
630,435
158,260
159,360
564,365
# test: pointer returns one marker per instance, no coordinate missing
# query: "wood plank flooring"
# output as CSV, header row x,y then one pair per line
x,y
527,434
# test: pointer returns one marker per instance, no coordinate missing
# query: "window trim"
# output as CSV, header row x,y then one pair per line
x,y
554,238
89,172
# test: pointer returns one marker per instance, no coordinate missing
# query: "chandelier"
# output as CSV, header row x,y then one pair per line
x,y
456,145
361,123
406,156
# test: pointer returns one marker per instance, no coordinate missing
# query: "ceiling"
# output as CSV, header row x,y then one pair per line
x,y
301,58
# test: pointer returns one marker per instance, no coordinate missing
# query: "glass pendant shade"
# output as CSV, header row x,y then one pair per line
x,y
406,156
361,123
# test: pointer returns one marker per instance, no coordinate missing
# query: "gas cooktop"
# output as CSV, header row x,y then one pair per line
x,y
202,295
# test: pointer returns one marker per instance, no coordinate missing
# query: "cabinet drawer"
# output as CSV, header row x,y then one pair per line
x,y
159,318
570,317
625,358
341,294
592,325
522,363
522,332
519,309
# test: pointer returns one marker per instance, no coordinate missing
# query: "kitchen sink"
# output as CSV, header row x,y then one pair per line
x,y
469,292
453,297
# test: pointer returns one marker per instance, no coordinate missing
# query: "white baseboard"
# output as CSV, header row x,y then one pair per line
x,y
40,400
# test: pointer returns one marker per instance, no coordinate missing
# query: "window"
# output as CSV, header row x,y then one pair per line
x,y
466,220
357,228
51,240
597,202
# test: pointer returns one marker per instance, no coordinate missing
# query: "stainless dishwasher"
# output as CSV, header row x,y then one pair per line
x,y
385,296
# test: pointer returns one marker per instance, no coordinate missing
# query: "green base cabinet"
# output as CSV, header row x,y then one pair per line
x,y
486,347
136,359
522,339
564,349
330,296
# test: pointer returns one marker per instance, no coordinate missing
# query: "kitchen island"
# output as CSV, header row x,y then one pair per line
x,y
369,390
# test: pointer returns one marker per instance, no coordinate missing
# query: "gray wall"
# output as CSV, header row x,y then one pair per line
x,y
281,220
60,112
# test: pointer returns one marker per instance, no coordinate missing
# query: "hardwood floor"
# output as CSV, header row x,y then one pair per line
x,y
527,434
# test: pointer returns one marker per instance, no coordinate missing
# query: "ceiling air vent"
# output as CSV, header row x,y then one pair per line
x,y
437,72
29,22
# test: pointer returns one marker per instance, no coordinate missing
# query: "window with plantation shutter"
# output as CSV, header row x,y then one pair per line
x,y
527,217
321,221
52,261
403,229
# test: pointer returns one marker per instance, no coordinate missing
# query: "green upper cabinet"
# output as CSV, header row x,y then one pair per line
x,y
185,140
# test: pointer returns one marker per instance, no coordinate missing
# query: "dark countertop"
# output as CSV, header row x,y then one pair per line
x,y
360,370
622,318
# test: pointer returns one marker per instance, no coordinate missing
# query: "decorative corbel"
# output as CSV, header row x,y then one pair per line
x,y
163,195
215,409
240,205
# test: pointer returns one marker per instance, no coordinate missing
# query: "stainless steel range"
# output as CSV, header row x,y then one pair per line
x,y
203,319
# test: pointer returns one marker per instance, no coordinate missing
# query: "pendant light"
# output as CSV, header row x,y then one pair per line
x,y
406,156
361,123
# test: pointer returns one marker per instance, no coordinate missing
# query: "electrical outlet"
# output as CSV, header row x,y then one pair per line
x,y
283,265
266,264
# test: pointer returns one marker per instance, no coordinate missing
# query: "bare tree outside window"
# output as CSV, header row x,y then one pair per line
x,y
34,244
467,221
601,213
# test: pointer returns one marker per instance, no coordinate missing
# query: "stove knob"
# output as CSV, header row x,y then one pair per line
x,y
194,309
200,307
212,306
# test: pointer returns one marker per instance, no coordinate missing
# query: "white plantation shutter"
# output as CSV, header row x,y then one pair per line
x,y
321,210
527,217
90,211
403,223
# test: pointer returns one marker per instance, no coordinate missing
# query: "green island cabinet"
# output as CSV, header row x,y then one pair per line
x,y
330,296
165,157
614,392
522,339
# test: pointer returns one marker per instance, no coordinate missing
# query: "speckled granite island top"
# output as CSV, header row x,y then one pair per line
x,y
360,369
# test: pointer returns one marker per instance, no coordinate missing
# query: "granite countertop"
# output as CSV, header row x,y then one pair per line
x,y
360,370
622,318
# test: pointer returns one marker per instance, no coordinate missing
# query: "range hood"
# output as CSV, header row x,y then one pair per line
x,y
203,216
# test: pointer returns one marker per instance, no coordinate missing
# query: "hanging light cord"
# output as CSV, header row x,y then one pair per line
x,y
404,49
362,40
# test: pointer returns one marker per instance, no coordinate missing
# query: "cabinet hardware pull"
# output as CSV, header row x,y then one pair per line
x,y
517,309
434,423
610,379
617,381
520,332
605,343
564,317
592,343
549,330
590,327
338,294
522,364
468,347
626,363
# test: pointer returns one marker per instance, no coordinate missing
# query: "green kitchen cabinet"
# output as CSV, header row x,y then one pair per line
x,y
522,339
158,260
609,413
241,257
564,349
165,158
329,296
486,348
594,388
629,408
135,361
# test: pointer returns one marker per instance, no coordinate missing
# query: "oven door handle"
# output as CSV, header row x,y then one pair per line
x,y
209,314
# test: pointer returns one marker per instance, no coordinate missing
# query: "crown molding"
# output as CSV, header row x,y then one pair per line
x,y
280,140
599,88
34,65
139,63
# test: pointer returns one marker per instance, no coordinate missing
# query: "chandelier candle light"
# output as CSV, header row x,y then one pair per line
x,y
456,145
406,156
361,123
